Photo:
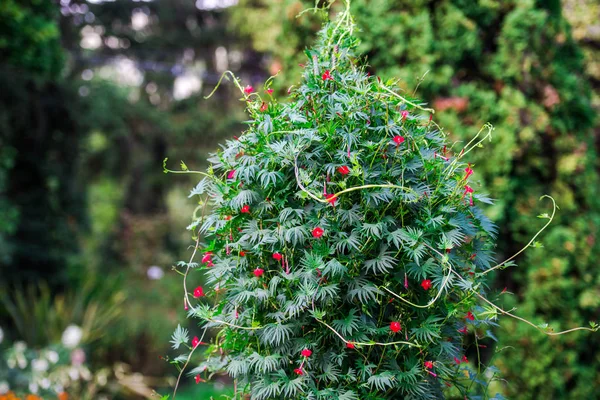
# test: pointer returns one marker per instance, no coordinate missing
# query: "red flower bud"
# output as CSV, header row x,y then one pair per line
x,y
404,115
306,353
395,327
258,272
248,89
398,140
426,284
350,345
231,174
277,256
198,292
331,199
299,371
195,341
270,91
198,379
327,76
207,257
344,170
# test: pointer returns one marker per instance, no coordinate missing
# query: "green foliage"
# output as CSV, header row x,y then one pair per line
x,y
30,38
341,225
514,63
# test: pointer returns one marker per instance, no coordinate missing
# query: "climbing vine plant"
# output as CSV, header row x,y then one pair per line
x,y
342,244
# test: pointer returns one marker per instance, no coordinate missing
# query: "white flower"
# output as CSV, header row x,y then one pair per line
x,y
52,356
21,362
72,336
20,346
155,273
33,387
45,383
4,388
73,374
39,365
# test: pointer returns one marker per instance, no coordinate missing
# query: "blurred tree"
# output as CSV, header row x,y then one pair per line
x,y
41,202
515,64
140,69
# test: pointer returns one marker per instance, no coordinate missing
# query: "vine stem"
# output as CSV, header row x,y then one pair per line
x,y
554,207
367,343
186,364
431,110
352,189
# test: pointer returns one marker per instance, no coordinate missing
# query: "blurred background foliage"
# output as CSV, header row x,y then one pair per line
x,y
95,94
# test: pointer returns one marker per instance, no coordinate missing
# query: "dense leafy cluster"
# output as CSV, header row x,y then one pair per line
x,y
516,65
343,243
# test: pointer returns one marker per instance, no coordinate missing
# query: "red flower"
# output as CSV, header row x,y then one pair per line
x,y
350,345
263,107
198,292
248,89
299,371
270,91
398,140
306,353
464,359
258,272
331,198
344,170
195,341
404,115
242,253
468,172
327,76
463,330
317,232
277,256
231,174
428,364
456,360
426,284
245,209
470,316
395,326
207,257
198,379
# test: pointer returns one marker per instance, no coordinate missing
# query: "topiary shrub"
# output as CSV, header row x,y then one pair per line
x,y
341,239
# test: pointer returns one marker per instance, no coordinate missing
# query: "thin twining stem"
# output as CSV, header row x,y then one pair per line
x,y
170,171
439,292
352,189
431,110
431,302
366,343
502,311
186,364
554,207
580,328
247,328
223,75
